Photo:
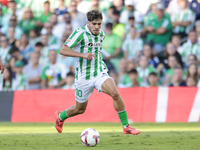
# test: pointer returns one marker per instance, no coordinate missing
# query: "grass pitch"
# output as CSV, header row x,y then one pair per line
x,y
153,136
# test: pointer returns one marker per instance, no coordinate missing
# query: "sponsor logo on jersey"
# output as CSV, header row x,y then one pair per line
x,y
68,40
94,44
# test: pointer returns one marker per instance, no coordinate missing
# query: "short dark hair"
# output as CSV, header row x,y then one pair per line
x,y
39,44
116,12
13,50
153,74
109,25
134,71
93,15
47,2
70,74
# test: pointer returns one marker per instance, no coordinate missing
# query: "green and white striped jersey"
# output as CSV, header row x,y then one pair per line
x,y
83,41
189,48
182,16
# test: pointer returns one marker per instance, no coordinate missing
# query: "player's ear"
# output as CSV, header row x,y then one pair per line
x,y
88,23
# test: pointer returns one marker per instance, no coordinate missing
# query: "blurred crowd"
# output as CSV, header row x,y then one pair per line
x,y
148,42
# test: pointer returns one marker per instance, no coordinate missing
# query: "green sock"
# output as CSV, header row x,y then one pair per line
x,y
63,115
123,117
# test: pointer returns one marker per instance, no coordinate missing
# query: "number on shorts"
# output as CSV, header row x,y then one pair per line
x,y
78,92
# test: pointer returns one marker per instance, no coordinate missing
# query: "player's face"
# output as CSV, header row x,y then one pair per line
x,y
94,26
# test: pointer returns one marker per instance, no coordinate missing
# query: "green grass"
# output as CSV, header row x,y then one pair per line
x,y
153,136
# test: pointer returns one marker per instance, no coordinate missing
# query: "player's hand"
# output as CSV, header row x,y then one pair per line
x,y
89,56
2,67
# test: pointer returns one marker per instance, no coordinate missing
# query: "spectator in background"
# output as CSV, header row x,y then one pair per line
x,y
68,31
13,23
33,37
118,28
111,46
132,46
153,79
6,84
195,7
192,71
67,19
11,36
192,59
45,17
191,47
191,82
177,79
133,75
123,80
44,59
130,10
53,73
69,81
61,10
114,74
43,53
28,21
11,65
109,14
176,41
52,39
152,14
19,82
14,51
12,10
119,5
4,49
152,60
173,7
24,46
182,22
159,30
33,72
78,19
197,29
68,62
58,28
171,50
172,63
144,70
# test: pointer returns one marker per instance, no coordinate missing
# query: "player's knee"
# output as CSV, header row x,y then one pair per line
x,y
115,95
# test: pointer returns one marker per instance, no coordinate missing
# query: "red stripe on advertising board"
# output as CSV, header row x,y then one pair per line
x,y
149,104
180,103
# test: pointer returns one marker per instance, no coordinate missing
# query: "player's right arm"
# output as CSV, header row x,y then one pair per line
x,y
74,39
67,51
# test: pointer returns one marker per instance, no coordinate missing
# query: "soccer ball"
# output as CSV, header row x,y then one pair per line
x,y
90,137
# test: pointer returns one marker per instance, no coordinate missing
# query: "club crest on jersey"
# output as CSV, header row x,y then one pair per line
x,y
94,44
68,40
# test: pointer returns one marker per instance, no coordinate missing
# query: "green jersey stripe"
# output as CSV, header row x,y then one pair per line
x,y
100,62
96,60
88,61
76,76
81,58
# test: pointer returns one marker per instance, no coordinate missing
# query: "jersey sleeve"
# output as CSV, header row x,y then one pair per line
x,y
75,38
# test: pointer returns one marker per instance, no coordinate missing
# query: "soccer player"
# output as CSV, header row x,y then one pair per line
x,y
2,66
85,43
